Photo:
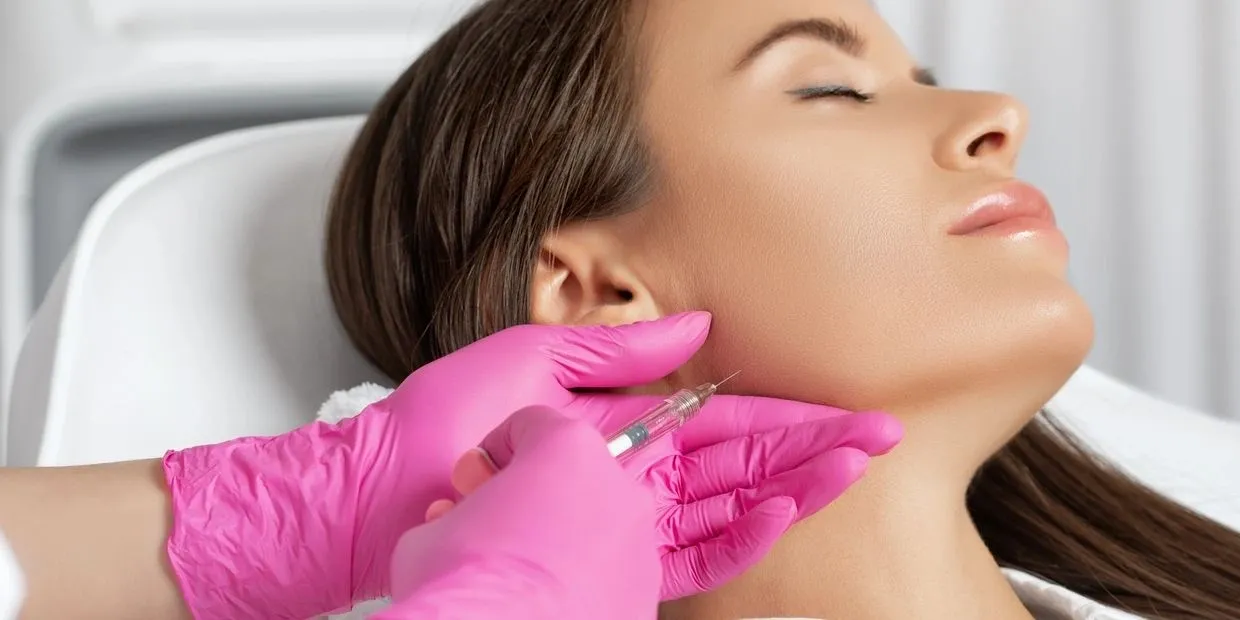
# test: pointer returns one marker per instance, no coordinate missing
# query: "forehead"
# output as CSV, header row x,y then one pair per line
x,y
709,36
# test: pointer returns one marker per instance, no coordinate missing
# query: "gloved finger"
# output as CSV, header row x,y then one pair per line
x,y
812,486
543,433
471,471
439,508
602,356
727,416
712,563
747,461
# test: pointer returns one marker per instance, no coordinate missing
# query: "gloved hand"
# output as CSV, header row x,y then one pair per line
x,y
722,501
560,532
304,523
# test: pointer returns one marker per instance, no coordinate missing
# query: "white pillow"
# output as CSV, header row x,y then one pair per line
x,y
1184,454
12,586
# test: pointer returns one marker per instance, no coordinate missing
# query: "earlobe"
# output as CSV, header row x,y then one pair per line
x,y
581,279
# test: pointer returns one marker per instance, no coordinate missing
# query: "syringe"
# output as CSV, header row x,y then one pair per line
x,y
667,416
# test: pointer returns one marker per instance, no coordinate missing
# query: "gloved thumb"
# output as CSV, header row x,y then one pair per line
x,y
603,356
545,433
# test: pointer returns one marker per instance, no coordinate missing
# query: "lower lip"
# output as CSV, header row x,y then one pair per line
x,y
1027,229
1017,226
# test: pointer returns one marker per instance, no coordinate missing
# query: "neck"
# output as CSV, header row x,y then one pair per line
x,y
899,544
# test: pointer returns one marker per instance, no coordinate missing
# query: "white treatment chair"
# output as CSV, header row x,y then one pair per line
x,y
91,89
194,309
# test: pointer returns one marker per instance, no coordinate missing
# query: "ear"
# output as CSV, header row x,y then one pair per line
x,y
581,278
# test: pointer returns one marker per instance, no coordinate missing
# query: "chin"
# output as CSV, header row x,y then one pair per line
x,y
1043,333
1008,362
1045,352
1063,334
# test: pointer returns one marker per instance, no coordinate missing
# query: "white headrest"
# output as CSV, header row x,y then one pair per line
x,y
194,308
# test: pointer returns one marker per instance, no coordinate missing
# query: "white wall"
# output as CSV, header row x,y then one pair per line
x,y
1136,139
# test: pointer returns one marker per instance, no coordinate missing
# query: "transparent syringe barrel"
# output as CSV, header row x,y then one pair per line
x,y
662,419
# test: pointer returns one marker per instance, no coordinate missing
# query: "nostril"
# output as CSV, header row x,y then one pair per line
x,y
989,142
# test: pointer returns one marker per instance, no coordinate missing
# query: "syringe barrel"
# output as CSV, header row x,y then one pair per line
x,y
664,418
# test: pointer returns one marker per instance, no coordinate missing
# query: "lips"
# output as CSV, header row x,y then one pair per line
x,y
1016,207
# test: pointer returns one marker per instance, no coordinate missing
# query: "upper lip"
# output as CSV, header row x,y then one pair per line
x,y
1014,199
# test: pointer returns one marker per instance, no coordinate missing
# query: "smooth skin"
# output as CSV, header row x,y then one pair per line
x,y
91,540
816,232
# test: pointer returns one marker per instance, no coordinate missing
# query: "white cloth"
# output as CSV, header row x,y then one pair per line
x,y
12,585
1049,601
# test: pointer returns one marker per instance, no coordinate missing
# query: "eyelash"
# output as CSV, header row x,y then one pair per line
x,y
823,92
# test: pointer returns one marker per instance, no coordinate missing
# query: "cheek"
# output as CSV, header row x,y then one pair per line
x,y
887,330
840,292
824,329
815,285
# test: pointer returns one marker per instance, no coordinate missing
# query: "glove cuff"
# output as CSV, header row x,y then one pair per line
x,y
266,527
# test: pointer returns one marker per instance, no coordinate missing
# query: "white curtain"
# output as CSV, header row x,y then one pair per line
x,y
1135,137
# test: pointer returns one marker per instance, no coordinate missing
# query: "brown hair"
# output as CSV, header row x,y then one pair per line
x,y
522,117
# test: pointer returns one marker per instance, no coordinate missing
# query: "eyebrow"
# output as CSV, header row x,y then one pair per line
x,y
833,31
838,33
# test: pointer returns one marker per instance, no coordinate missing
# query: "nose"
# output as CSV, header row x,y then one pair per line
x,y
986,132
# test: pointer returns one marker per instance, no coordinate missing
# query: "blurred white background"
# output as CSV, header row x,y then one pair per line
x,y
1135,137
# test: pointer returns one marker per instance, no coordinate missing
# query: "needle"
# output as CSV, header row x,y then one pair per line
x,y
727,378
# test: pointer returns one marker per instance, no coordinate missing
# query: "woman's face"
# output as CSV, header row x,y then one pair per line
x,y
820,230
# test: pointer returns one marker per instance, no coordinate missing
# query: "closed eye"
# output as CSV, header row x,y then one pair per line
x,y
823,92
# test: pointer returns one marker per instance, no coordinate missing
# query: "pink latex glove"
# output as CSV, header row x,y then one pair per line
x,y
710,478
560,532
302,524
